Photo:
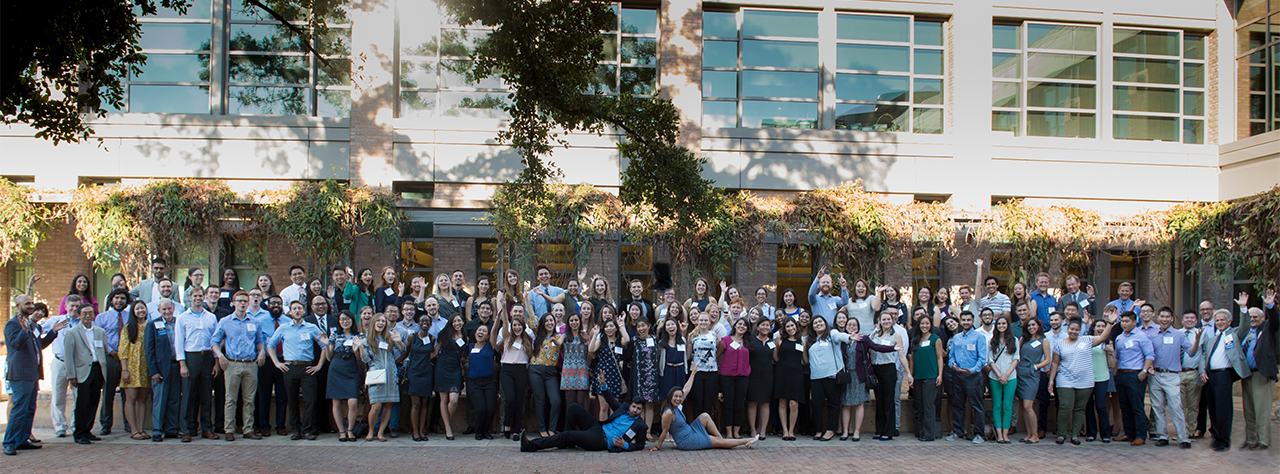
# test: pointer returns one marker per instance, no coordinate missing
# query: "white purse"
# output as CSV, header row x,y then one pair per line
x,y
375,377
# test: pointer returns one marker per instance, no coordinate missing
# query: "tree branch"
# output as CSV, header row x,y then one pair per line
x,y
292,27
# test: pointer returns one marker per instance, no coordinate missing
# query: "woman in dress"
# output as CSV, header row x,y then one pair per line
x,y
481,295
544,376
386,294
574,370
706,383
443,291
1096,423
230,285
735,368
420,373
516,346
701,296
378,352
885,369
359,290
646,370
692,437
760,382
607,346
674,360
856,393
1071,377
1033,357
343,385
863,305
789,308
1002,365
482,385
448,375
788,384
135,380
925,355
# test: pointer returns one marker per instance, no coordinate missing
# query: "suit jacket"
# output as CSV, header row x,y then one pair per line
x,y
1235,353
24,351
143,290
79,355
331,323
636,443
161,359
647,309
1264,353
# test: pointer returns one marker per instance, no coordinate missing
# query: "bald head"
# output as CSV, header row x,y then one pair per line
x,y
25,304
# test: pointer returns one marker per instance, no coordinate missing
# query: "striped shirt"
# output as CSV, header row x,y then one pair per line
x,y
1075,367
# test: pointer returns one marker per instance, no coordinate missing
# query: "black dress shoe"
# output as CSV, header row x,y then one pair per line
x,y
295,436
1162,442
27,446
1185,445
469,430
488,435
157,438
10,451
91,437
105,431
479,436
83,441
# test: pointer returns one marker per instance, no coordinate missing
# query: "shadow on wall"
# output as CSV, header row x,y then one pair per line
x,y
776,159
241,147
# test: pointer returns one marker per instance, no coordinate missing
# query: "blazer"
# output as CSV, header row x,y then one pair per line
x,y
79,355
143,290
1264,353
161,359
1235,354
646,308
638,427
24,351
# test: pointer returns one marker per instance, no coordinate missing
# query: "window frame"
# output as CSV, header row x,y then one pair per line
x,y
1024,51
911,74
1180,88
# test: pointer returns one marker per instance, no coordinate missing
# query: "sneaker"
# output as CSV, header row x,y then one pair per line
x,y
977,439
952,437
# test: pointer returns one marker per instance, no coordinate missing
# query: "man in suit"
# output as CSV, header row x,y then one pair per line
x,y
25,372
327,320
636,287
1260,355
148,290
1222,365
85,350
624,430
162,366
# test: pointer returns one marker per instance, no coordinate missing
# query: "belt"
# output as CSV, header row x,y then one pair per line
x,y
674,365
1193,369
55,356
200,352
247,361
297,362
1163,371
1214,371
1128,371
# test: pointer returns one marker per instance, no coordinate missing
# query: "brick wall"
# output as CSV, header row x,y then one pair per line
x,y
452,253
279,255
760,272
58,259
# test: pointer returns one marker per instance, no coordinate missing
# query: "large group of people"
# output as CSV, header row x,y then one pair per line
x,y
211,362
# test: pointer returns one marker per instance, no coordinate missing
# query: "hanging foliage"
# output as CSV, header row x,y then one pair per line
x,y
22,223
1234,237
1031,238
322,219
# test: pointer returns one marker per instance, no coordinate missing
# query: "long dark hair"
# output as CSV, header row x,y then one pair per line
x,y
355,328
570,334
664,339
448,334
222,275
1005,337
186,284
88,288
366,289
541,332
306,290
131,327
1026,329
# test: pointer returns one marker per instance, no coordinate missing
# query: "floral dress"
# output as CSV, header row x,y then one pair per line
x,y
645,372
134,359
609,363
378,358
573,374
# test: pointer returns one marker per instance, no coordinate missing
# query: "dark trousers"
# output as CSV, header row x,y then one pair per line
x,y
581,430
888,375
968,396
197,389
515,383
1042,399
21,411
483,393
106,417
1203,417
1221,406
1096,422
925,394
166,401
300,388
1132,391
545,382
323,411
270,377
88,394
735,399
219,401
826,395
702,396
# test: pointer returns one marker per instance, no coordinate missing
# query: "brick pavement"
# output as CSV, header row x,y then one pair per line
x,y
277,454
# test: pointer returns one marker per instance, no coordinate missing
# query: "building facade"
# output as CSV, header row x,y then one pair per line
x,y
1117,107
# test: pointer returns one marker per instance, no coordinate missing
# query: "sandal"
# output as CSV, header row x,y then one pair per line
x,y
1060,440
1075,441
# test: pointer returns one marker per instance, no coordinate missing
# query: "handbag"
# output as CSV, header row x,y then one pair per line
x,y
842,377
375,377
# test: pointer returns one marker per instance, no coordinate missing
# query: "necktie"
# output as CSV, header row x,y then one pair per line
x,y
119,320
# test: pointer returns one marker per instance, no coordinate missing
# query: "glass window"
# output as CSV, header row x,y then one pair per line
x,y
926,271
719,54
873,57
1146,99
631,53
878,62
175,78
1062,71
1161,43
875,28
766,114
1060,124
1062,37
270,72
719,25
779,23
1158,78
779,79
780,54
719,114
795,272
870,88
1137,127
434,63
636,264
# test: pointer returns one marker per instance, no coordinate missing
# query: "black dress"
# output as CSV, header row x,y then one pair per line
x,y
448,376
344,371
420,366
788,382
760,382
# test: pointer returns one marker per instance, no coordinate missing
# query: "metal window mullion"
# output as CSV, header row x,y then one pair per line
x,y
219,60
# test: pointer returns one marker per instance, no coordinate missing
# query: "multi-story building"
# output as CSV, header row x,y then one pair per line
x,y
1112,106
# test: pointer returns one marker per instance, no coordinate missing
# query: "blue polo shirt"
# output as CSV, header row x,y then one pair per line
x,y
1044,304
242,337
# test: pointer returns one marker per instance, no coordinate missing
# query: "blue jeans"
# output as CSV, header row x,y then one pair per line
x,y
166,402
21,408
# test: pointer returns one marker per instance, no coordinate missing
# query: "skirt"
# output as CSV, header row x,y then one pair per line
x,y
344,378
789,384
1028,384
672,377
855,392
760,386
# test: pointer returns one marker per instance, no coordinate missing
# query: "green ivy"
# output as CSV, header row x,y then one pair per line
x,y
22,223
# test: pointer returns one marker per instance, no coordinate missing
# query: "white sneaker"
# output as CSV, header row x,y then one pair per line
x,y
952,437
977,439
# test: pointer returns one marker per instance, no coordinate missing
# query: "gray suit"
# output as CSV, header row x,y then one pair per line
x,y
1218,389
143,290
79,355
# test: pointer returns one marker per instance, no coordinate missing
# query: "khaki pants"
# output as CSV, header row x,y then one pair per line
x,y
1189,382
1257,397
1166,401
242,378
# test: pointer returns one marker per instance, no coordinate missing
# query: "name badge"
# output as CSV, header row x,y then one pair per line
x,y
1229,338
459,342
680,347
517,345
97,344
820,344
1231,345
799,347
253,327
159,324
926,343
349,343
1128,344
831,305
455,303
1084,304
475,350
735,345
648,342
629,434
425,340
304,337
1035,344
971,347
771,345
617,350
382,345
1168,339
389,292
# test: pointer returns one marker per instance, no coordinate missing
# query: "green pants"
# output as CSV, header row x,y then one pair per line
x,y
1071,405
1002,403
